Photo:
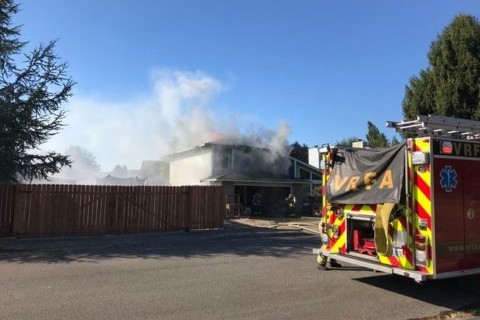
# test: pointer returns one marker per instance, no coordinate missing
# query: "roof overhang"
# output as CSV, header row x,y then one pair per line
x,y
273,181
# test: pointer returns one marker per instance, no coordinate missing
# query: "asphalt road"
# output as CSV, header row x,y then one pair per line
x,y
237,273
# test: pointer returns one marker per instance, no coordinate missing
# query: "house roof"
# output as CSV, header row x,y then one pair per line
x,y
183,153
238,143
254,178
306,165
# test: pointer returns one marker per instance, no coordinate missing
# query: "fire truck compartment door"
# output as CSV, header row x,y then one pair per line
x,y
457,214
471,213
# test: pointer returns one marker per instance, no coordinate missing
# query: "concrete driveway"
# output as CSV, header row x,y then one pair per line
x,y
307,224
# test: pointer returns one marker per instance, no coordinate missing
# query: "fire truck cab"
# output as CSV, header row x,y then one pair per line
x,y
412,209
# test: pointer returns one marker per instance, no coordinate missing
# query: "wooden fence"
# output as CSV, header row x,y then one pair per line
x,y
70,210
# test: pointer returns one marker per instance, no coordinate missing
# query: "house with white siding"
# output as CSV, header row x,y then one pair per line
x,y
245,170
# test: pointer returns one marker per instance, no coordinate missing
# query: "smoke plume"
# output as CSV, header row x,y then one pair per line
x,y
177,113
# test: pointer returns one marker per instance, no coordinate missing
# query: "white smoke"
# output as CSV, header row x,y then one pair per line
x,y
177,114
279,148
84,168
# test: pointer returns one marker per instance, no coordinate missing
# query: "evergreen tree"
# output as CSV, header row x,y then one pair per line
x,y
450,86
347,142
31,94
82,159
394,141
120,171
375,139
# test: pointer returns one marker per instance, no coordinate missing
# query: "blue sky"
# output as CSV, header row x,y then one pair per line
x,y
323,67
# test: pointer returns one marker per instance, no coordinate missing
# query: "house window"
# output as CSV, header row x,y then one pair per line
x,y
304,174
224,158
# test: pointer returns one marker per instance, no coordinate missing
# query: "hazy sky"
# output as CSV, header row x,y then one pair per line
x,y
153,75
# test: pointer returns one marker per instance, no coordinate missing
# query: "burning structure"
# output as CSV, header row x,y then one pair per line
x,y
245,170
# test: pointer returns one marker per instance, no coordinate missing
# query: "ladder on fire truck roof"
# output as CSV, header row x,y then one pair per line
x,y
439,125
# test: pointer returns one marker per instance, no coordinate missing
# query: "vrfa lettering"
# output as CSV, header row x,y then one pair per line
x,y
368,181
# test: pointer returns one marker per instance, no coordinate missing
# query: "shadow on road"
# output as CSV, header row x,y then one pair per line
x,y
448,293
233,240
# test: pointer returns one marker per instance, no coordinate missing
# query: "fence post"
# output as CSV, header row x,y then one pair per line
x,y
7,199
22,194
188,208
11,196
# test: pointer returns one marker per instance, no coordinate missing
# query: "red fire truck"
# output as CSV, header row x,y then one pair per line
x,y
411,209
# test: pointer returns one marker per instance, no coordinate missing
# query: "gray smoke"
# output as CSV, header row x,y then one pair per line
x,y
261,151
177,114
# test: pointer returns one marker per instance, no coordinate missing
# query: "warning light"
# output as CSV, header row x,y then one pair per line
x,y
421,253
419,238
447,147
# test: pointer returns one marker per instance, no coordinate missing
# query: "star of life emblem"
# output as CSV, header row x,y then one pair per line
x,y
448,178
